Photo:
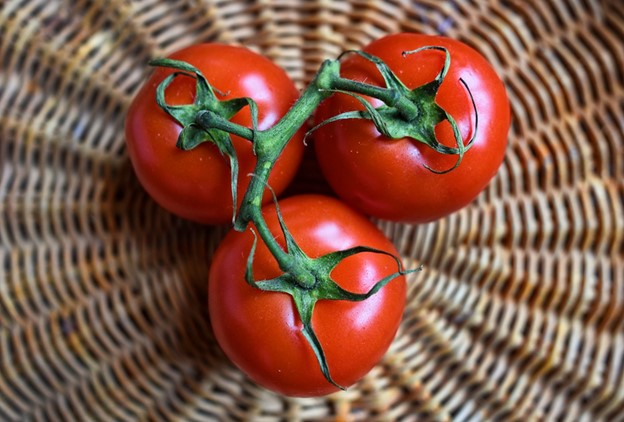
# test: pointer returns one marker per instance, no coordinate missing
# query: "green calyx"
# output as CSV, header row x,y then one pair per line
x,y
408,113
206,108
308,280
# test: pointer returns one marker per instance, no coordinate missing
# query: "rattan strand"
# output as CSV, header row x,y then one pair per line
x,y
517,316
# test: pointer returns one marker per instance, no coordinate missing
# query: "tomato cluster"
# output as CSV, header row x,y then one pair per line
x,y
264,330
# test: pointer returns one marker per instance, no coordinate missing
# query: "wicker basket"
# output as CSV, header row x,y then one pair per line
x,y
517,316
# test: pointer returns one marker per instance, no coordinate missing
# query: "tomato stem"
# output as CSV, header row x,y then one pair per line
x,y
212,120
269,144
391,97
252,211
405,113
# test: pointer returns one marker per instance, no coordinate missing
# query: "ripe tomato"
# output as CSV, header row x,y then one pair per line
x,y
387,178
195,184
260,331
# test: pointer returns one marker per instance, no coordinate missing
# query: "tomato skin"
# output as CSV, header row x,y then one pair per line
x,y
195,184
261,331
387,178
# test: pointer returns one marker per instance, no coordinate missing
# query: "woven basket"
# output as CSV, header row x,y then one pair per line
x,y
517,316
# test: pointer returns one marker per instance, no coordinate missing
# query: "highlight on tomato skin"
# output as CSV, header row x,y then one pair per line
x,y
195,184
390,178
260,331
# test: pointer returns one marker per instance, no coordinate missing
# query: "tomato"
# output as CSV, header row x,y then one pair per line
x,y
195,184
260,331
388,178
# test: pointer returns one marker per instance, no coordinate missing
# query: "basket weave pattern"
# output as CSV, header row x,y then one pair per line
x,y
518,314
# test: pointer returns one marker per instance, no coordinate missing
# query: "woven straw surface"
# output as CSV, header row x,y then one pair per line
x,y
517,316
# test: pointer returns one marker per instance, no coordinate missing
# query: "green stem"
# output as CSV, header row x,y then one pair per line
x,y
268,146
210,119
390,97
282,257
270,143
306,279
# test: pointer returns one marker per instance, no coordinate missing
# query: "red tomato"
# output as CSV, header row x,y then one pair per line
x,y
261,331
195,184
387,178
